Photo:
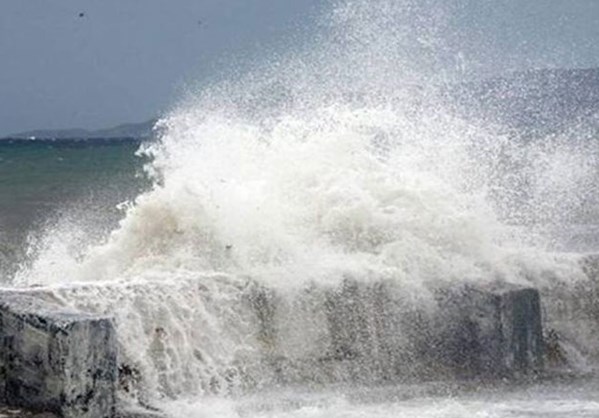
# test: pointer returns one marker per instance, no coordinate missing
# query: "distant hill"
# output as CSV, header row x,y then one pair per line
x,y
127,130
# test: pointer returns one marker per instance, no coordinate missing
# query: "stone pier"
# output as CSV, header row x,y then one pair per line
x,y
65,361
371,332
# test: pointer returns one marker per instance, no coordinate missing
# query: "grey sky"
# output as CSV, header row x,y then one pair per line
x,y
126,60
516,34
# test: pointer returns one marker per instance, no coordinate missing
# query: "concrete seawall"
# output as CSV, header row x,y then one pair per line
x,y
65,361
55,359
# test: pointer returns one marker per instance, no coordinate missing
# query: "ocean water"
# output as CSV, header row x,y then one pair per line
x,y
46,180
215,245
426,401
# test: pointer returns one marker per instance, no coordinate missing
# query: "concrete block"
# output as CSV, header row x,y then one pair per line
x,y
138,412
493,330
520,311
354,331
571,320
374,331
55,359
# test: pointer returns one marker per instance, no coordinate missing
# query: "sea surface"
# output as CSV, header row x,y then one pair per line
x,y
551,400
42,181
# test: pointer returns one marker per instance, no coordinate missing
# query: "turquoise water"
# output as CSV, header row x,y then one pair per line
x,y
41,181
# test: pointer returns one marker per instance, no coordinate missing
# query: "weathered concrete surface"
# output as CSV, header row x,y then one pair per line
x,y
571,320
54,359
138,412
11,412
493,331
372,331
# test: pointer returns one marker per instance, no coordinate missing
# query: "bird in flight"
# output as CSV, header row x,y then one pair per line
x,y
81,14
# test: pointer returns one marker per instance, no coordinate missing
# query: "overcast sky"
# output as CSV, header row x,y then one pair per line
x,y
128,60
124,60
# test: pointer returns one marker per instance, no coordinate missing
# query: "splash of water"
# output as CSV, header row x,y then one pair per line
x,y
343,160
